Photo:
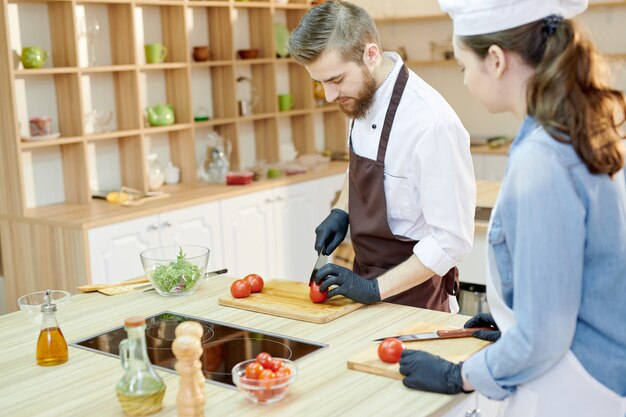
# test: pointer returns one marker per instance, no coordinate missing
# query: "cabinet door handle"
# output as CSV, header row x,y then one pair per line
x,y
269,200
279,198
168,224
154,226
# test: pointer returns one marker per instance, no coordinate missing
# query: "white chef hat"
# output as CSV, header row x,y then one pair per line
x,y
476,17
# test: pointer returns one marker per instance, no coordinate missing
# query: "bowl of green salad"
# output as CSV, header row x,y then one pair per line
x,y
175,270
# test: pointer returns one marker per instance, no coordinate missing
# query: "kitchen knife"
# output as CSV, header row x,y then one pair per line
x,y
437,334
321,261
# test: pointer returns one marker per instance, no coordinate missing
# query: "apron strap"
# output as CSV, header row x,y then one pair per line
x,y
398,89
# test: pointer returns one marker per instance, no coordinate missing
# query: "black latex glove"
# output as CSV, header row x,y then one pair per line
x,y
484,320
427,372
349,284
331,232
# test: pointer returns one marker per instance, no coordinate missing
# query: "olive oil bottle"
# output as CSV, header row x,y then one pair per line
x,y
51,345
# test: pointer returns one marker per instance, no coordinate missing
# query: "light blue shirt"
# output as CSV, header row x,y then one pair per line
x,y
559,240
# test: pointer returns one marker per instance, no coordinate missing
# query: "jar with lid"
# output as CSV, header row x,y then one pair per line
x,y
141,389
156,175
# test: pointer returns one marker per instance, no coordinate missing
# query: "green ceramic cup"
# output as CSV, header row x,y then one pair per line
x,y
155,53
33,57
286,102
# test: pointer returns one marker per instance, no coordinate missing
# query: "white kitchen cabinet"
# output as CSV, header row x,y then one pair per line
x,y
489,167
114,249
473,269
272,233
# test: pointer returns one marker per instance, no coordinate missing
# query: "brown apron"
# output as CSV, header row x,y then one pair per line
x,y
376,248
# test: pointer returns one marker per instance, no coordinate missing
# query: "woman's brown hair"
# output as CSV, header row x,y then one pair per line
x,y
568,93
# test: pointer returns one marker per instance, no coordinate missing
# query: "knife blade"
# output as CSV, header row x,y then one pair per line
x,y
437,334
321,261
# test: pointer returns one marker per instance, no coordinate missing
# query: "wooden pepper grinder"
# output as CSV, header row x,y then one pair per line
x,y
194,329
187,348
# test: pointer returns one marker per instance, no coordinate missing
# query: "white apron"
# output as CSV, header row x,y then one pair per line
x,y
566,389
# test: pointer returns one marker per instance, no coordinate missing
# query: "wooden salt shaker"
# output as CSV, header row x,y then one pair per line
x,y
190,398
194,329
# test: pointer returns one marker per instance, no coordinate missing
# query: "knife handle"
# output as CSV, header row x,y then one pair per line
x,y
448,334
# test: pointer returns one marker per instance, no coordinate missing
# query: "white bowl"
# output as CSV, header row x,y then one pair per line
x,y
30,304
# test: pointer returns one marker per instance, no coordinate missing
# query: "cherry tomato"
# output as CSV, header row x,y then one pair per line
x,y
255,281
390,350
268,378
240,289
253,370
316,295
283,373
276,364
265,359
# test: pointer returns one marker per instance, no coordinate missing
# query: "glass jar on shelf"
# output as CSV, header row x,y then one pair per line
x,y
156,175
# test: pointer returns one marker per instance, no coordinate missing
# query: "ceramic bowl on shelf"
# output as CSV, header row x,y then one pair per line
x,y
175,270
30,304
248,53
263,391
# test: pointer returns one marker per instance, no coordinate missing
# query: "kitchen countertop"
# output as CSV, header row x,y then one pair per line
x,y
85,384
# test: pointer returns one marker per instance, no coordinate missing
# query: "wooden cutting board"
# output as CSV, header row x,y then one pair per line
x,y
290,299
454,350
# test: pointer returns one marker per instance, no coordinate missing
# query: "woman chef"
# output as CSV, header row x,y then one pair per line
x,y
557,236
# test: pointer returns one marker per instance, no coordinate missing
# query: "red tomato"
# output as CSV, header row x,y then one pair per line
x,y
390,350
316,295
253,370
255,281
265,359
240,289
276,364
268,377
283,373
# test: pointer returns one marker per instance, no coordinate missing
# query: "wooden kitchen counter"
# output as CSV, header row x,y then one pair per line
x,y
84,386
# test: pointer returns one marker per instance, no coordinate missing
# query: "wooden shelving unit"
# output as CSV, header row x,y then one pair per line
x,y
124,72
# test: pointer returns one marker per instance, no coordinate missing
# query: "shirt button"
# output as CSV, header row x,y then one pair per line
x,y
374,126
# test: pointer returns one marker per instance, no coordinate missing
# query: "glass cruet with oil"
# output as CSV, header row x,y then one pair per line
x,y
141,389
51,345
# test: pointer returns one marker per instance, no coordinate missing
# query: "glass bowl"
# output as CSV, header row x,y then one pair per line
x,y
263,391
175,270
30,304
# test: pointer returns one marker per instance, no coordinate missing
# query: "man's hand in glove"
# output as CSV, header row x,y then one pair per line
x,y
484,320
331,232
348,284
427,372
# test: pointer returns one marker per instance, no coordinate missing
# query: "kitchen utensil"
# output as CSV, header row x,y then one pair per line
x,y
454,350
155,53
290,299
259,391
96,287
30,304
175,270
281,37
286,102
248,53
160,115
239,177
437,334
201,53
321,261
40,126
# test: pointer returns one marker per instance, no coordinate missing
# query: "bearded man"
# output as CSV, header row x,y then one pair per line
x,y
409,195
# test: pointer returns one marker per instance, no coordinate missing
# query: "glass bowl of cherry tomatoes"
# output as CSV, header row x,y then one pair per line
x,y
264,380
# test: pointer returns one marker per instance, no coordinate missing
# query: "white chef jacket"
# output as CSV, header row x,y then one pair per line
x,y
429,177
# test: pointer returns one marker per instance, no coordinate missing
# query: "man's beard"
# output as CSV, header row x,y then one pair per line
x,y
363,101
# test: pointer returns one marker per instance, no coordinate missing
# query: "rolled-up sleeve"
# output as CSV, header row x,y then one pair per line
x,y
448,196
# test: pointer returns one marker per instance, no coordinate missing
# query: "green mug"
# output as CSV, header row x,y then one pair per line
x,y
155,53
33,56
286,102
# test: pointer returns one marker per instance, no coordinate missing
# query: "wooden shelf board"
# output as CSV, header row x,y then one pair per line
x,y
296,112
255,61
288,60
292,6
161,129
49,143
211,64
256,117
107,68
106,1
199,3
160,2
408,19
164,66
251,4
92,137
600,4
215,122
327,108
45,71
429,62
